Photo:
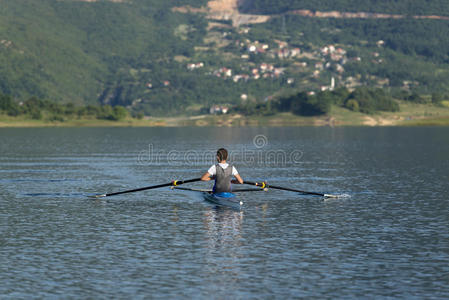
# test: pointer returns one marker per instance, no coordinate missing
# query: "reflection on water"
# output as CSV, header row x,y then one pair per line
x,y
223,228
223,233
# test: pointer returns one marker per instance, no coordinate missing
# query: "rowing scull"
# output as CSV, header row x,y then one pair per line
x,y
222,199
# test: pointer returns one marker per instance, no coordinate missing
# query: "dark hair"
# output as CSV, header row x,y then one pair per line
x,y
222,154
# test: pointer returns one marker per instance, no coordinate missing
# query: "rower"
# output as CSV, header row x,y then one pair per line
x,y
223,173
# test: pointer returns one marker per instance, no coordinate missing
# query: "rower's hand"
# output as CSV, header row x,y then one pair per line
x,y
235,181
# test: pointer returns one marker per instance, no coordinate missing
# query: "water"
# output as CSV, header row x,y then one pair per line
x,y
387,238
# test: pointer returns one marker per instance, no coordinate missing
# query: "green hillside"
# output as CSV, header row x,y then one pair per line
x,y
72,51
407,7
151,59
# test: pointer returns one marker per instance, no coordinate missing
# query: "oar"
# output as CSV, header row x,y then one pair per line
x,y
172,183
266,185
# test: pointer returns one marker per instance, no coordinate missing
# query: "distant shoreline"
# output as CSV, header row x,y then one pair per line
x,y
409,115
248,123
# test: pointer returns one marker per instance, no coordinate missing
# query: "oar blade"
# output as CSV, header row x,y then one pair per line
x,y
330,196
97,196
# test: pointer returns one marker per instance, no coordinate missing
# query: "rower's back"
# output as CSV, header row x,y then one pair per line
x,y
223,179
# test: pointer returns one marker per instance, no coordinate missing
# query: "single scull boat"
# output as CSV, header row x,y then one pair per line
x,y
222,199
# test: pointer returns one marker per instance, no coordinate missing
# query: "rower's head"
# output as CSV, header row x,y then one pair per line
x,y
222,155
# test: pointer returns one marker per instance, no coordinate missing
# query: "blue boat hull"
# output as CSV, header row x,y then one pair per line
x,y
223,199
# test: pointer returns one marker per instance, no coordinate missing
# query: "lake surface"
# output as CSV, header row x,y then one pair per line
x,y
386,237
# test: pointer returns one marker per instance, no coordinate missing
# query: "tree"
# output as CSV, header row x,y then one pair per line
x,y
8,105
437,98
119,113
416,98
370,100
352,104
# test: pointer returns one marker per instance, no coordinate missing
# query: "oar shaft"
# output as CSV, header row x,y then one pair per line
x,y
266,185
293,190
173,183
140,189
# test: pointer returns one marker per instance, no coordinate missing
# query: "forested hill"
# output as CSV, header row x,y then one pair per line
x,y
406,7
72,50
183,56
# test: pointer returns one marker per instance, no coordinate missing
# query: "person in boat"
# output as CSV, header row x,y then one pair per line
x,y
222,172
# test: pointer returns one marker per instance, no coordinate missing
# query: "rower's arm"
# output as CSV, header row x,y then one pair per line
x,y
239,179
206,177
